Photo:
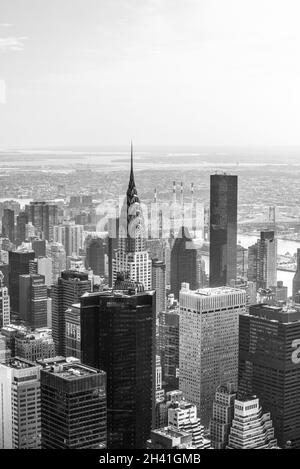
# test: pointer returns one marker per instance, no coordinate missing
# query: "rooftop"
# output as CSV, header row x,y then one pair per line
x,y
170,432
19,363
206,292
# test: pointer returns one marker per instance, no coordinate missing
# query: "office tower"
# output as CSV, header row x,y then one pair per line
x,y
8,224
223,229
159,392
35,345
250,428
159,284
241,261
70,236
296,279
131,256
73,403
262,260
112,246
39,247
73,331
184,262
58,255
44,267
118,336
269,366
33,300
223,411
170,438
4,304
69,288
209,341
22,220
168,345
20,401
43,216
183,416
95,255
30,231
20,263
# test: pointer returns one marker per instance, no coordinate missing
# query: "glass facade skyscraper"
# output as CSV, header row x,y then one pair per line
x,y
223,229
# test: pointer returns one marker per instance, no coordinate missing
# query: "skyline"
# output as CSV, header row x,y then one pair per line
x,y
202,73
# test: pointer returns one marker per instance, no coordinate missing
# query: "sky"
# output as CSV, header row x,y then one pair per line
x,y
160,72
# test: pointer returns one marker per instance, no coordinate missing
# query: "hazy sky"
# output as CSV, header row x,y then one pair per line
x,y
199,72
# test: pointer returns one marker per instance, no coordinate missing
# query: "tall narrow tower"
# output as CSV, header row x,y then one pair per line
x,y
223,229
131,257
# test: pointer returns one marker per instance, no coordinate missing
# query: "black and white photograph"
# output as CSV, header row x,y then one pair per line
x,y
149,229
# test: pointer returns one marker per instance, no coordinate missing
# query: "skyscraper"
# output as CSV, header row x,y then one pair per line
x,y
58,255
33,300
131,256
95,255
8,224
223,412
73,403
296,279
159,284
20,263
184,262
118,336
269,366
70,236
67,291
208,347
223,229
22,220
250,428
168,347
262,260
43,215
20,403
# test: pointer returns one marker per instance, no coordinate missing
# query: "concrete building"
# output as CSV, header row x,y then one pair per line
x,y
262,260
20,404
208,343
159,284
4,304
35,345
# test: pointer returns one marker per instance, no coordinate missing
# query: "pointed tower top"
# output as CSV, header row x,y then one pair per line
x,y
131,159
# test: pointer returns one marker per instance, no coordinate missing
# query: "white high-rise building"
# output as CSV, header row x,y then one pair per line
x,y
20,405
223,411
208,343
58,255
250,428
4,304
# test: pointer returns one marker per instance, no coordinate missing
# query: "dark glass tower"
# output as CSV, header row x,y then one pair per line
x,y
118,336
223,229
184,262
8,224
269,366
20,263
33,300
73,404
